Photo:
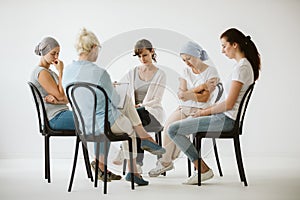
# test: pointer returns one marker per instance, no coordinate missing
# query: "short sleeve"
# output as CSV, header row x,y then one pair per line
x,y
241,74
213,73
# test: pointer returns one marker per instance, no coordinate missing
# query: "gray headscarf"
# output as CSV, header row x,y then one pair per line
x,y
194,49
45,46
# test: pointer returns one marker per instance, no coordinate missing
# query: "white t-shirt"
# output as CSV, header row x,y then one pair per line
x,y
194,80
243,73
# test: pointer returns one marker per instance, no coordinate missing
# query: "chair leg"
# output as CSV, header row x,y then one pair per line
x,y
239,160
158,138
217,156
87,161
198,142
159,142
74,164
47,158
188,161
105,166
97,164
124,166
189,167
131,162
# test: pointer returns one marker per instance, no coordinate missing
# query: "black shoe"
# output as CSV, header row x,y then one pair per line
x,y
113,176
110,175
138,180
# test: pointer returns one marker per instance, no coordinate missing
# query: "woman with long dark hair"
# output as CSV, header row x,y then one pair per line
x,y
221,116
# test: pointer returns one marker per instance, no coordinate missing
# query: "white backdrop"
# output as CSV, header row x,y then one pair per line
x,y
270,128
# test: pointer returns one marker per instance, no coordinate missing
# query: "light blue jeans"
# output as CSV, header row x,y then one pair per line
x,y
63,121
178,131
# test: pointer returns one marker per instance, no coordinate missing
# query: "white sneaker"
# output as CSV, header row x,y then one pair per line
x,y
119,159
159,169
193,180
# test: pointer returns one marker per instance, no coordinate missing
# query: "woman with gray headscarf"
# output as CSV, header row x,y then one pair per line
x,y
196,87
50,85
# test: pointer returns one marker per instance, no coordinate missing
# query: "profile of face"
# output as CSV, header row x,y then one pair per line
x,y
191,61
52,55
228,49
145,56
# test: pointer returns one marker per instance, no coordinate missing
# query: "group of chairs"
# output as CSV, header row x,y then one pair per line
x,y
85,136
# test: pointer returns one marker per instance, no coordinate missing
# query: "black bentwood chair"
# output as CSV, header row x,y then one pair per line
x,y
85,113
233,134
220,90
47,132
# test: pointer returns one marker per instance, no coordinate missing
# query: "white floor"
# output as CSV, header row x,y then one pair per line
x,y
268,178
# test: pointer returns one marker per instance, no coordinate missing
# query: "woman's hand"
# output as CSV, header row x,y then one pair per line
x,y
184,95
180,94
115,83
59,65
198,113
51,99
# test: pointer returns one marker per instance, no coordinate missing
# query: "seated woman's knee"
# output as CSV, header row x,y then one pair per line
x,y
173,129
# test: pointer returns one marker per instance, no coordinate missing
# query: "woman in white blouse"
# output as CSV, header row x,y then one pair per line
x,y
146,88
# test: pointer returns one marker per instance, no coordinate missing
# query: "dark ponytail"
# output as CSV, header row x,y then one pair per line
x,y
246,46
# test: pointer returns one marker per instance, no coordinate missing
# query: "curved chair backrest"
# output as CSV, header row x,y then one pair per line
x,y
84,99
238,126
40,108
220,91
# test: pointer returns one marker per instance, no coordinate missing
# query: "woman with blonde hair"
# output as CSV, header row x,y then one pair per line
x,y
125,120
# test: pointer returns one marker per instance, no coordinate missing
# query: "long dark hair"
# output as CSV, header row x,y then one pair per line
x,y
144,44
246,46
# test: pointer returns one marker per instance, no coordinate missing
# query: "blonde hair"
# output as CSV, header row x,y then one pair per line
x,y
86,41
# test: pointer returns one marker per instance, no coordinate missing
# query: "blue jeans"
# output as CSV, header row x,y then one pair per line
x,y
178,131
63,121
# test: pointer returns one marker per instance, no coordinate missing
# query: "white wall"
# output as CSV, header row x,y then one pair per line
x,y
271,122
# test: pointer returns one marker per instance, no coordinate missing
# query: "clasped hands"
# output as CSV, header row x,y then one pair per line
x,y
198,113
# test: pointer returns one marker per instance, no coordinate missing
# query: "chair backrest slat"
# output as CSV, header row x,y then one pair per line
x,y
242,109
220,91
40,108
89,93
